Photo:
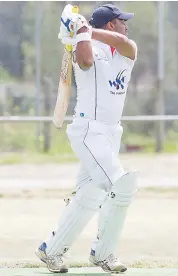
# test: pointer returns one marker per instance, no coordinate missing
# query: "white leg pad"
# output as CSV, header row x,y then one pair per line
x,y
113,216
75,217
101,221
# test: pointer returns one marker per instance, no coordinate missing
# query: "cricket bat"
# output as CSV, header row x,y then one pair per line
x,y
64,88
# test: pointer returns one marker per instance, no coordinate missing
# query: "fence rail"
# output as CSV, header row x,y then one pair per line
x,y
18,119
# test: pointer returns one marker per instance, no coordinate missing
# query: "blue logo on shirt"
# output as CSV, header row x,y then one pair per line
x,y
119,82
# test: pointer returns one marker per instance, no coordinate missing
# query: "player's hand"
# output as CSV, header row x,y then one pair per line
x,y
79,23
67,21
70,24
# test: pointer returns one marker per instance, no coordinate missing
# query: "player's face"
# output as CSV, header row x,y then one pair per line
x,y
119,26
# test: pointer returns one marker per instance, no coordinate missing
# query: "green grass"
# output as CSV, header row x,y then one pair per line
x,y
35,158
21,137
148,142
18,144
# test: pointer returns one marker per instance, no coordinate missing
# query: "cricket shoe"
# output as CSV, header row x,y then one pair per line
x,y
110,264
54,263
41,252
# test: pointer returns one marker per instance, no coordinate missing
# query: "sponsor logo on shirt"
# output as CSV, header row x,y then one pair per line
x,y
119,82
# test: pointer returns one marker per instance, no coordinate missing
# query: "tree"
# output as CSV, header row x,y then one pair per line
x,y
11,35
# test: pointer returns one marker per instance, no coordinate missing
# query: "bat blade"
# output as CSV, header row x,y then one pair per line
x,y
64,87
64,90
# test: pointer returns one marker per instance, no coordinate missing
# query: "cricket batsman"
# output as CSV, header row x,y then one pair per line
x,y
103,59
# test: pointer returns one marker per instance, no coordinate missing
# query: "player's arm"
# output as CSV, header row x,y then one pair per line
x,y
122,43
83,53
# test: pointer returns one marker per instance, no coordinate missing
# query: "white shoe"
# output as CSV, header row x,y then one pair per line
x,y
54,263
110,264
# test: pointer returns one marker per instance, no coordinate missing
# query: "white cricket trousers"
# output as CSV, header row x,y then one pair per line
x,y
96,145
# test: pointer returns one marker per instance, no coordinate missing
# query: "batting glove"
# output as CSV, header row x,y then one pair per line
x,y
70,24
80,22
